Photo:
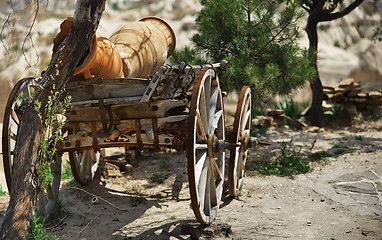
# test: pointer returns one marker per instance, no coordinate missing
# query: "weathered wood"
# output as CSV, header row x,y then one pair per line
x,y
23,195
124,127
107,88
139,110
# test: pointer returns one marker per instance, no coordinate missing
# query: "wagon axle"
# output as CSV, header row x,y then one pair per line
x,y
222,145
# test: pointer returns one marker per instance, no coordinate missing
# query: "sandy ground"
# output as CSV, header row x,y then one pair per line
x,y
339,199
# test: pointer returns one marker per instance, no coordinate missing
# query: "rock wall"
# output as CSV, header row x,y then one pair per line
x,y
347,48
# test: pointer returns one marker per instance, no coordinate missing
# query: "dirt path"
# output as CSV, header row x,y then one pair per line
x,y
341,199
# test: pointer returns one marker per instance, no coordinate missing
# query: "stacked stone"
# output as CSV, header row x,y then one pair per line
x,y
278,116
350,96
271,117
262,121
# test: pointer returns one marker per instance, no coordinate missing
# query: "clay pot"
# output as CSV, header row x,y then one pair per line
x,y
102,59
144,46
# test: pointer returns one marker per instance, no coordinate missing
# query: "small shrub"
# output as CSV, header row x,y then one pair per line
x,y
136,188
157,177
2,192
138,197
286,166
165,164
291,108
363,86
291,162
66,171
334,112
319,156
37,231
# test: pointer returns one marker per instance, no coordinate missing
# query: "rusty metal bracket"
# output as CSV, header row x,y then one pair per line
x,y
158,77
167,91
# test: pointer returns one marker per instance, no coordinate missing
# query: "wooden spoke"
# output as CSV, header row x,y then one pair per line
x,y
200,127
84,165
15,118
205,163
201,146
216,120
12,135
241,129
212,107
199,166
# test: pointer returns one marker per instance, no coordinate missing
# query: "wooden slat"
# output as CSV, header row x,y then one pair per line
x,y
156,109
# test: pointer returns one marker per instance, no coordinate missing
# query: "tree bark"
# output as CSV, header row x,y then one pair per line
x,y
23,195
314,115
317,14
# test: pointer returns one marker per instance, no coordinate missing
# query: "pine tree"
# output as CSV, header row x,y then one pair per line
x,y
259,38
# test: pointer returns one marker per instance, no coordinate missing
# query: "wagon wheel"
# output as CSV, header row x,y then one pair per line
x,y
22,90
205,146
47,199
239,150
84,165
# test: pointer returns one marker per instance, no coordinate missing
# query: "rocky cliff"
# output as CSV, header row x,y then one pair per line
x,y
346,48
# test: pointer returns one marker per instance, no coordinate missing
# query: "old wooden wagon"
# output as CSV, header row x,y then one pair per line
x,y
179,107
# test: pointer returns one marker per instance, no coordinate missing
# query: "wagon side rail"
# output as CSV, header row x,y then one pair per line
x,y
171,79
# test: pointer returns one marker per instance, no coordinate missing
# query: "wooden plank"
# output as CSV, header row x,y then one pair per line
x,y
106,88
107,101
157,109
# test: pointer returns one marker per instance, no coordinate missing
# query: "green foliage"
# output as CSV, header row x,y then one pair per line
x,y
259,41
52,123
334,112
378,33
189,55
137,189
290,162
115,6
66,171
138,196
157,177
319,156
363,86
292,109
37,232
2,193
165,164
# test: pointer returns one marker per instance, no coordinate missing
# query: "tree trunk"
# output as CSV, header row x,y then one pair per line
x,y
314,115
23,195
